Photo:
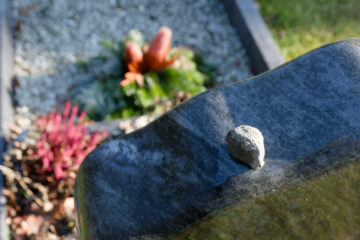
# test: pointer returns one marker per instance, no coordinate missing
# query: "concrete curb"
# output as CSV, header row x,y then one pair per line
x,y
261,48
6,106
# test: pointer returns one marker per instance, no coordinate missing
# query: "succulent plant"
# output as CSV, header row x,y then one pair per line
x,y
100,99
153,78
153,58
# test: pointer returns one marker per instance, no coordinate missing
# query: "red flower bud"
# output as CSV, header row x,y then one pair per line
x,y
154,58
133,56
159,48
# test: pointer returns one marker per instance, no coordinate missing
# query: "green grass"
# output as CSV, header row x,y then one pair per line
x,y
324,208
299,26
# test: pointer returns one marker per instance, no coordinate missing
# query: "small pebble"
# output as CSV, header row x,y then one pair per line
x,y
246,144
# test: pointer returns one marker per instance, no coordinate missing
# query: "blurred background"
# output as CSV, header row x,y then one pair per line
x,y
81,69
300,26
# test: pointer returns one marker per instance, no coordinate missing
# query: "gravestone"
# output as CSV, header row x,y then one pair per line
x,y
159,180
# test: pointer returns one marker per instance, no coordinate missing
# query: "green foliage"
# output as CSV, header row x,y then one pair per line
x,y
207,69
100,99
109,45
161,90
300,26
135,36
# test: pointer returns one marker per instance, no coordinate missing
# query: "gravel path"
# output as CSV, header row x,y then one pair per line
x,y
54,34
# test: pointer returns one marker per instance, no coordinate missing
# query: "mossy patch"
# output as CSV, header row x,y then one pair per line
x,y
324,208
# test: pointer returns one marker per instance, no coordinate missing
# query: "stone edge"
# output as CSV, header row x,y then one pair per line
x,y
6,105
260,46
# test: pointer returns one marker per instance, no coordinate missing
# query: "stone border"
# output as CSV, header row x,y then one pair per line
x,y
6,105
260,46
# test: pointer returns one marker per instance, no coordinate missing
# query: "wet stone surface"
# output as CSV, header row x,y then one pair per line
x,y
164,177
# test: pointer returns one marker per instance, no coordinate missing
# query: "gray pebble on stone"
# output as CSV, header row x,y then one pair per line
x,y
246,144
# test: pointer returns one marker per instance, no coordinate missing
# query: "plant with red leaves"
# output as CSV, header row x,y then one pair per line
x,y
65,140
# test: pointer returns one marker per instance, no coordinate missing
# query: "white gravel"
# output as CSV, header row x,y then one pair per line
x,y
54,34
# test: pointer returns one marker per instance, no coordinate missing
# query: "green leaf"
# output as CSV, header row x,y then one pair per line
x,y
182,51
109,45
136,36
130,89
144,98
81,63
209,71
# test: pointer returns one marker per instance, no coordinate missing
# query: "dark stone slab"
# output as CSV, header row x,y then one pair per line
x,y
309,199
171,173
260,46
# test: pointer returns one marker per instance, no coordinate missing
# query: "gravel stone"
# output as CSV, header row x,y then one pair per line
x,y
246,144
131,124
54,35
